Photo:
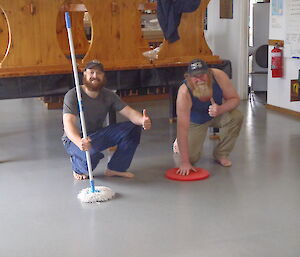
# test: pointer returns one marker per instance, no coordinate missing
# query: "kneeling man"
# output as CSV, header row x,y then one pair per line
x,y
205,99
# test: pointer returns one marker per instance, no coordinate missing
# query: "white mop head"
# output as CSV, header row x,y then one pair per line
x,y
102,194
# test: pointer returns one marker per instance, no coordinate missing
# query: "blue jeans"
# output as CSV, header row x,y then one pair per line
x,y
125,135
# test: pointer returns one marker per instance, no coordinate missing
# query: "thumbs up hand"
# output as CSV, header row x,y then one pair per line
x,y
146,121
214,108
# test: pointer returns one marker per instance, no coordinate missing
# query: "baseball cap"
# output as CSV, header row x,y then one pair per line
x,y
94,64
197,66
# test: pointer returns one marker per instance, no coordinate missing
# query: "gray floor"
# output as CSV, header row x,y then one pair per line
x,y
249,210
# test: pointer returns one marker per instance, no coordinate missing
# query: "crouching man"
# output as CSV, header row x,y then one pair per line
x,y
97,102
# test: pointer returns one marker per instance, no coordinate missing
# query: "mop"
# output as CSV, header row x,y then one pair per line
x,y
92,194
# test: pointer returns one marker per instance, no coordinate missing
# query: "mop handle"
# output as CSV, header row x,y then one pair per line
x,y
80,104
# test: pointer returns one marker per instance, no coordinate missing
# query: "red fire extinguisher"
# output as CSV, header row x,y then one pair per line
x,y
277,62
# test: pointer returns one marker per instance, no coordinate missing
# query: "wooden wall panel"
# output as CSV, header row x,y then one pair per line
x,y
81,44
38,41
192,43
118,41
4,39
34,42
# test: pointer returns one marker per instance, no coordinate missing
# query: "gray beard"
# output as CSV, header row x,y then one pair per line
x,y
202,91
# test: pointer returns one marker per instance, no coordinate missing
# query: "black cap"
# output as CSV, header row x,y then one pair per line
x,y
196,67
94,64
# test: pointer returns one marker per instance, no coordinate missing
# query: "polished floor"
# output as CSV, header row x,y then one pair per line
x,y
249,210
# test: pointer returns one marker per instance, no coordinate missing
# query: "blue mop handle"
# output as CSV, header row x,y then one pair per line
x,y
80,105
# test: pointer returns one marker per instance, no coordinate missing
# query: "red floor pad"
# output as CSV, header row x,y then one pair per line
x,y
200,174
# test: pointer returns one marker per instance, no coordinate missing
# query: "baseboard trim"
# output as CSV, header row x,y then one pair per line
x,y
282,110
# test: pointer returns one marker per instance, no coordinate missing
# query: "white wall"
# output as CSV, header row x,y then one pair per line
x,y
279,88
228,38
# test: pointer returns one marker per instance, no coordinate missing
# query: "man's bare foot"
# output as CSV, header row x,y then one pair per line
x,y
175,146
224,162
125,174
80,176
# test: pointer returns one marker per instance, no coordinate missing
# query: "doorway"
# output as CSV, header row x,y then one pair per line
x,y
258,49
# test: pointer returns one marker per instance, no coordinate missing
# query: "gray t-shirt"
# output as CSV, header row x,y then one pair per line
x,y
95,109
